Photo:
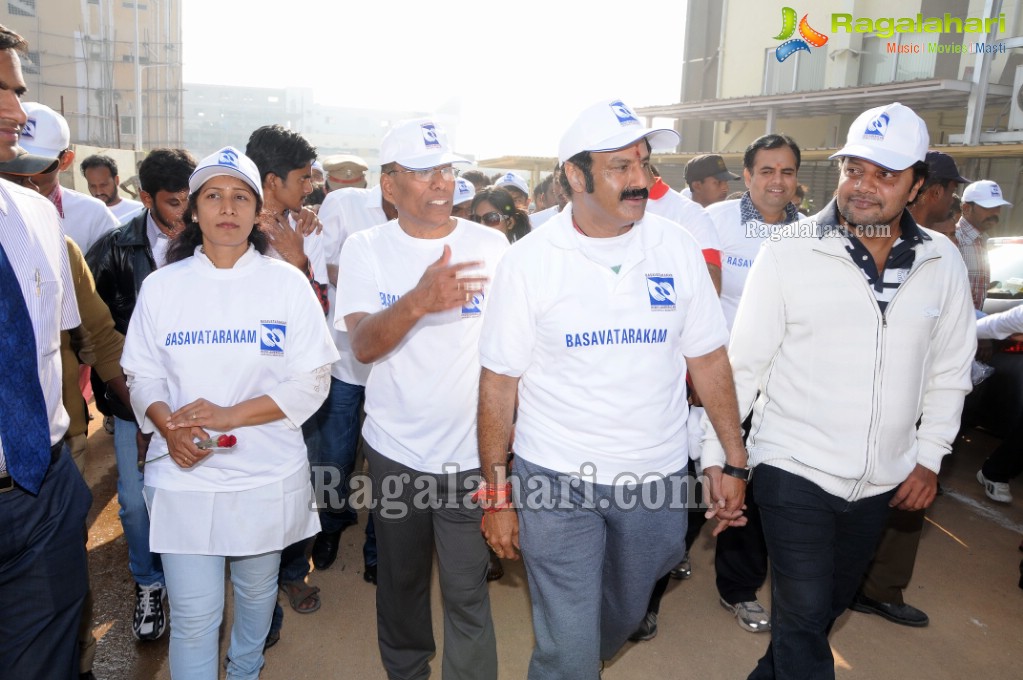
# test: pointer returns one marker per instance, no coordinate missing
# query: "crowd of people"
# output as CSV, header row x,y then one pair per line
x,y
579,376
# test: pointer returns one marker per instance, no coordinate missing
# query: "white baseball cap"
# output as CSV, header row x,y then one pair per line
x,y
513,180
46,133
609,125
227,161
464,191
417,144
985,193
891,136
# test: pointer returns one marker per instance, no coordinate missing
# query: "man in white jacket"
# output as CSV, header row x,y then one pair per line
x,y
852,346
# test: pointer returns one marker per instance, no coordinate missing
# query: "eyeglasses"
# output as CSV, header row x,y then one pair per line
x,y
448,173
491,219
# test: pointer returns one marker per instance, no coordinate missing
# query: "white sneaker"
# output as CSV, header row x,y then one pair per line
x,y
751,615
996,491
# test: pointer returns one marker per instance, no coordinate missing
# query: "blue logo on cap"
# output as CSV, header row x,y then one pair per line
x,y
271,337
228,157
430,136
624,113
30,129
996,192
877,127
661,289
462,187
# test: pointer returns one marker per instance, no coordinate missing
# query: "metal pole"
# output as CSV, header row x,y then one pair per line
x,y
981,73
138,84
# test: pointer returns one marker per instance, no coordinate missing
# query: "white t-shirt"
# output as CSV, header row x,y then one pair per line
x,y
538,218
740,244
344,212
225,335
600,355
85,218
690,214
125,209
421,398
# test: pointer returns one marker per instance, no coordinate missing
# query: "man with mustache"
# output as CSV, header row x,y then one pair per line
x,y
852,347
594,319
982,204
100,173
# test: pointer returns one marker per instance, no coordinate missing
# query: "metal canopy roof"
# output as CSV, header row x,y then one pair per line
x,y
918,94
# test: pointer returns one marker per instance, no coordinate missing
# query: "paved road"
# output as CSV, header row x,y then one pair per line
x,y
966,580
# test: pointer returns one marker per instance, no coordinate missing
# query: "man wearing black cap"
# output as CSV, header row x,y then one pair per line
x,y
934,202
708,178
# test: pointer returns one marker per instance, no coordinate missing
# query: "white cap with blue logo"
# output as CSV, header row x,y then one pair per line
x,y
417,144
609,125
464,191
228,161
891,136
45,133
510,179
985,193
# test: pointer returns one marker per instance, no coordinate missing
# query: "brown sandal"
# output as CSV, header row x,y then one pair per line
x,y
299,593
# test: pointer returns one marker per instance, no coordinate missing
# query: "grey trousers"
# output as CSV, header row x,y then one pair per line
x,y
415,512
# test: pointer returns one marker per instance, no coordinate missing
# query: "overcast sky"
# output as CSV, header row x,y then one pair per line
x,y
517,73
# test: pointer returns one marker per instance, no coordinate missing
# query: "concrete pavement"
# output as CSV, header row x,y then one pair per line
x,y
966,580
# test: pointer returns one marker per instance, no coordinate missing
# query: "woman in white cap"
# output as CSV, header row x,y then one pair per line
x,y
225,341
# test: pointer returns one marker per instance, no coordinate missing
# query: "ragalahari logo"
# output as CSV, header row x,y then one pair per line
x,y
788,27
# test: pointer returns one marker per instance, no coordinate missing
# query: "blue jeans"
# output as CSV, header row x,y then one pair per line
x,y
145,566
819,547
195,587
332,453
592,563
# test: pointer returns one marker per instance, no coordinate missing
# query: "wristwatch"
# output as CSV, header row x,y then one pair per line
x,y
743,473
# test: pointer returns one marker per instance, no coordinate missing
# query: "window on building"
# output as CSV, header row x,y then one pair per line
x,y
801,72
30,64
22,8
128,125
881,61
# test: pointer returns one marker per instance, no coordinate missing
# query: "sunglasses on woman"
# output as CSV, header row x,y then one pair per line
x,y
491,219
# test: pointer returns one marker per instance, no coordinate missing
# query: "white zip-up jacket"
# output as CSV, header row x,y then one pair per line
x,y
836,387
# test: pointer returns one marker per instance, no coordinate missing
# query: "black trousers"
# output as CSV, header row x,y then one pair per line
x,y
43,575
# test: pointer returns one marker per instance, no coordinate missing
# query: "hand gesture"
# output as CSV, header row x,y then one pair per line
x,y
441,288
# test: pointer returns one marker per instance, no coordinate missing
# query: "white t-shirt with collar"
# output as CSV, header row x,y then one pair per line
x,y
125,209
601,355
85,218
421,397
344,212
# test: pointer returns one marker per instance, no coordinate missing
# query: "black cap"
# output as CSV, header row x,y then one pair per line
x,y
943,168
707,165
26,163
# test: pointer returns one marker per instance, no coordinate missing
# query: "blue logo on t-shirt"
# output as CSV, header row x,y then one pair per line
x,y
472,307
271,337
624,113
877,127
661,289
430,136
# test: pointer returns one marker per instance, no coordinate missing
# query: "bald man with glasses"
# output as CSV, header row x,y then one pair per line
x,y
411,295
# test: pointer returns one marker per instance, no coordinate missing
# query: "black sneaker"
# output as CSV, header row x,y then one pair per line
x,y
647,629
150,619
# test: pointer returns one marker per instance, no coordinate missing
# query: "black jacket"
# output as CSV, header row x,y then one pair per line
x,y
120,261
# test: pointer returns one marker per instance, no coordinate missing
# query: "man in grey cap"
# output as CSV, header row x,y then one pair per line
x,y
708,178
605,299
982,206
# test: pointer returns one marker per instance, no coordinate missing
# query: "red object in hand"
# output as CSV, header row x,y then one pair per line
x,y
224,441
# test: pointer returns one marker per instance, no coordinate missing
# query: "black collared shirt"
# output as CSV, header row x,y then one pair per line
x,y
900,259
